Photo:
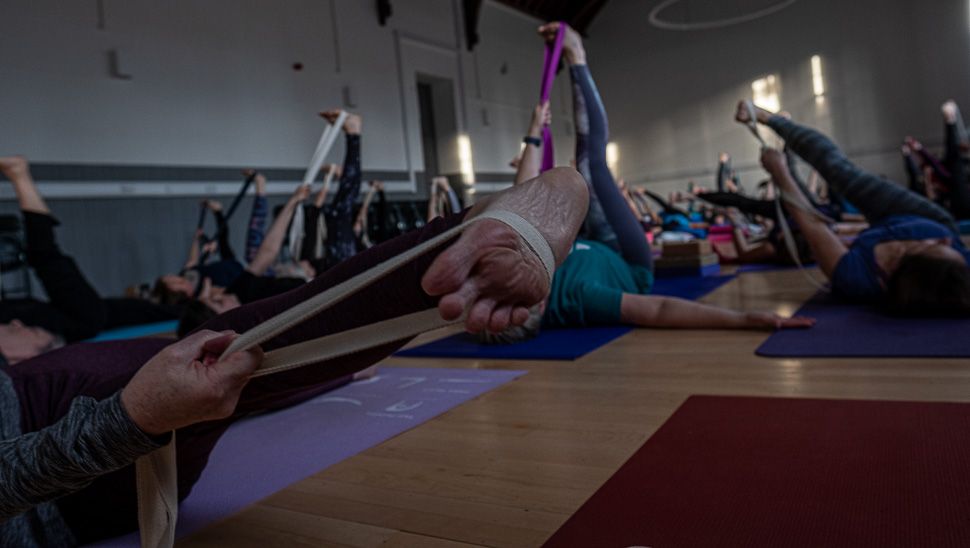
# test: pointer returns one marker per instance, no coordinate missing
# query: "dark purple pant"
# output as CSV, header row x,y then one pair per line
x,y
46,385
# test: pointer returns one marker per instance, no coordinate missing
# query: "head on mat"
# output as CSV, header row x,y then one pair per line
x,y
19,341
930,282
212,301
517,333
172,289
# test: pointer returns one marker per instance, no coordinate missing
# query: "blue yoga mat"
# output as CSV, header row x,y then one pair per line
x,y
551,344
261,455
135,331
689,288
856,331
559,344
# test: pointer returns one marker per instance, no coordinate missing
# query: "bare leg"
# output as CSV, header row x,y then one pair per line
x,y
16,169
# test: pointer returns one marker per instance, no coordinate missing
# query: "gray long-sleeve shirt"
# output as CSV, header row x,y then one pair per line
x,y
94,438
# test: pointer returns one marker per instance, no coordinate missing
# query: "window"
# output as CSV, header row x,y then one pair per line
x,y
765,93
818,79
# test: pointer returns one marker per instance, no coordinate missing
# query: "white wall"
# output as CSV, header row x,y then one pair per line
x,y
671,95
212,83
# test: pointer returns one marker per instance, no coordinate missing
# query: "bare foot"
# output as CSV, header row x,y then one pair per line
x,y
214,205
352,124
572,42
260,184
14,167
491,273
950,111
724,158
743,115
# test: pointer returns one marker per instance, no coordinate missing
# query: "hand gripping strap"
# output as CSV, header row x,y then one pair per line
x,y
156,472
553,54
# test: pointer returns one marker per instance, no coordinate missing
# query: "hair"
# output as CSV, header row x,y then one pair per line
x,y
194,315
161,294
929,286
516,333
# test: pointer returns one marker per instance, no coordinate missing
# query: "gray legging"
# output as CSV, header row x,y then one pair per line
x,y
876,198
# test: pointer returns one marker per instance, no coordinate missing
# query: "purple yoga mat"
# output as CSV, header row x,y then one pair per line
x,y
550,64
259,456
851,330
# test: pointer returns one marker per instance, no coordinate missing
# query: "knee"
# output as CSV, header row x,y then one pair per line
x,y
567,181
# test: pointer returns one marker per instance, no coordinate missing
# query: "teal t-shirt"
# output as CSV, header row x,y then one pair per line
x,y
588,287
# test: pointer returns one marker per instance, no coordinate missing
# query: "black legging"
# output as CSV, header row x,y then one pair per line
x,y
665,206
723,171
954,162
750,206
339,215
875,197
630,240
915,175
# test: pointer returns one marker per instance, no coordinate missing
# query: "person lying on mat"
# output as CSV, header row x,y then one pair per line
x,y
173,288
72,421
74,310
911,258
252,284
608,274
248,285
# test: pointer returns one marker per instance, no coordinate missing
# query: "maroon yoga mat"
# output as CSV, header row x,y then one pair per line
x,y
752,472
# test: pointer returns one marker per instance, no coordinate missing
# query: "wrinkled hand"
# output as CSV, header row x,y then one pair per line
x,y
185,384
767,320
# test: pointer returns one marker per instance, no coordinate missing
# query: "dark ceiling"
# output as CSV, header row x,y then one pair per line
x,y
578,13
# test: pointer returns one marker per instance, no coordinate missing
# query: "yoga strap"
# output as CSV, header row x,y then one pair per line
x,y
239,196
789,238
327,140
550,64
156,473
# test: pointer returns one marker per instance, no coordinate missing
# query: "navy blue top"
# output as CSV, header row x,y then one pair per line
x,y
857,276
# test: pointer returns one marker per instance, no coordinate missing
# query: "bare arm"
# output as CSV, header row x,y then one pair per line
x,y
321,197
674,313
361,221
531,162
193,258
273,242
827,248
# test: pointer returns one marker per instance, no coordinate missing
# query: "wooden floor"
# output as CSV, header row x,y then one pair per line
x,y
508,468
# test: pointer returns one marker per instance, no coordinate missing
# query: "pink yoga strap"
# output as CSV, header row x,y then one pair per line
x,y
553,53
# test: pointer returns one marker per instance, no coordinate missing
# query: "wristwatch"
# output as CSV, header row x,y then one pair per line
x,y
535,141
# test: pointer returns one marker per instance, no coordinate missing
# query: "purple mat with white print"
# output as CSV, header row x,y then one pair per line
x,y
261,455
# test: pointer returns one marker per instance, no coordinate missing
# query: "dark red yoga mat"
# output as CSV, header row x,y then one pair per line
x,y
776,472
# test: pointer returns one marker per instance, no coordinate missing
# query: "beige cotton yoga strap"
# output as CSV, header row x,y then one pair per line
x,y
326,142
156,472
752,125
